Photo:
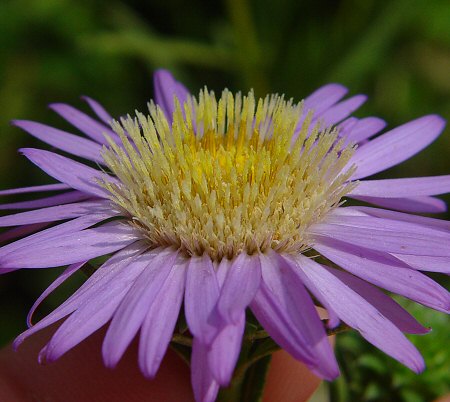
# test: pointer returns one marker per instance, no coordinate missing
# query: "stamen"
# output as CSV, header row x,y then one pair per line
x,y
224,178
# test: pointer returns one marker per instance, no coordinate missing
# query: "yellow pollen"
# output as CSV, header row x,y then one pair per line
x,y
225,176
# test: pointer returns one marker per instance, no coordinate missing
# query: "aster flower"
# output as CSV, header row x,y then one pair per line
x,y
226,204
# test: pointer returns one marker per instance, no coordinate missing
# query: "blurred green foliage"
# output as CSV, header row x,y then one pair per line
x,y
397,52
370,375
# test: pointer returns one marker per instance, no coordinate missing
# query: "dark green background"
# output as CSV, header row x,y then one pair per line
x,y
397,52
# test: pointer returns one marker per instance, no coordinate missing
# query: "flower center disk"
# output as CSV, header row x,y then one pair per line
x,y
225,176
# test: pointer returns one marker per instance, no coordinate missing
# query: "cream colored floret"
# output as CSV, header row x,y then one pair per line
x,y
225,177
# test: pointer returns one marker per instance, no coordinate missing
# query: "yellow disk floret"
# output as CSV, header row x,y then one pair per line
x,y
225,177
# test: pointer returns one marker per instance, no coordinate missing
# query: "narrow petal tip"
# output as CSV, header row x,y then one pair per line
x,y
162,73
17,342
419,366
334,87
436,119
27,151
434,122
17,123
109,361
43,357
377,122
360,99
55,105
148,374
329,373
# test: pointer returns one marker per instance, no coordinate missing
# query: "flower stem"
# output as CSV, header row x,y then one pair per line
x,y
255,379
249,386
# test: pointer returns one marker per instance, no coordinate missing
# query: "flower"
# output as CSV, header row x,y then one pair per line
x,y
228,203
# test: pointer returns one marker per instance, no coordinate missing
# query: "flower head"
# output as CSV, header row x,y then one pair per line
x,y
223,178
229,203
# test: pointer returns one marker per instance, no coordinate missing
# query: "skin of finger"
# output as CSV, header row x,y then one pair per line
x,y
445,398
80,375
291,381
288,380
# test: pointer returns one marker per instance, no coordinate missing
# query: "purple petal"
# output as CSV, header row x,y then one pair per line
x,y
222,270
346,211
160,320
71,248
273,311
396,145
204,385
346,127
324,97
378,223
303,314
63,140
364,129
68,272
411,204
47,235
21,231
426,263
225,348
166,88
239,288
399,216
381,271
6,270
333,319
384,235
382,302
84,123
93,313
224,352
35,189
359,314
269,314
75,174
341,110
397,188
66,198
201,295
319,102
135,305
99,110
57,213
111,274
